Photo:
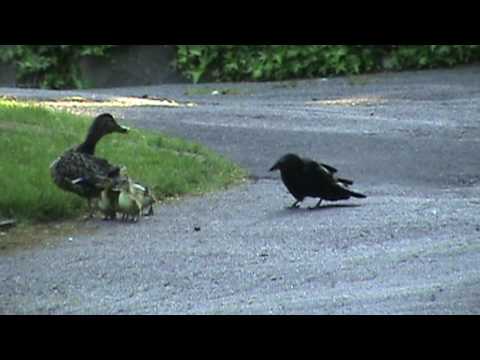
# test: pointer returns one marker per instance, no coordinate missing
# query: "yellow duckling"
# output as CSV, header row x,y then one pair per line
x,y
146,196
108,203
130,203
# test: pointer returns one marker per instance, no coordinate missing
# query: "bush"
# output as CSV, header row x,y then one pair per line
x,y
57,66
50,66
280,62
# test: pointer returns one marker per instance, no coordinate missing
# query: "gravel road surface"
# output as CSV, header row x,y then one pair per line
x,y
411,142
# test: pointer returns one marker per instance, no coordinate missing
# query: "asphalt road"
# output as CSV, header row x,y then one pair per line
x,y
409,140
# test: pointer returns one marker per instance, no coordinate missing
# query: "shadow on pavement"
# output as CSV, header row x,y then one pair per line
x,y
303,211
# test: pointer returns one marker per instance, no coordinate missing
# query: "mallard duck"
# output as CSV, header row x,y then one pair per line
x,y
79,171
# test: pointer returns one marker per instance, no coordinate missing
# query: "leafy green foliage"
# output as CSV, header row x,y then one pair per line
x,y
280,62
50,66
57,66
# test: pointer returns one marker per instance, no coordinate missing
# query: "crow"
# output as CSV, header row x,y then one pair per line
x,y
305,177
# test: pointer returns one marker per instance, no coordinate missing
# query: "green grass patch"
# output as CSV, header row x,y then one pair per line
x,y
31,137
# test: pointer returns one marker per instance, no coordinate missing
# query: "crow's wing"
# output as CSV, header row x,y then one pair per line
x,y
316,179
327,167
318,171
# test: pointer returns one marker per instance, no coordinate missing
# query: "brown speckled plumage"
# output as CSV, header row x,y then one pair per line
x,y
79,171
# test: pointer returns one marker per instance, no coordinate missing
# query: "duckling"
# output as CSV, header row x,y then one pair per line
x,y
79,171
108,203
141,192
146,196
134,197
129,201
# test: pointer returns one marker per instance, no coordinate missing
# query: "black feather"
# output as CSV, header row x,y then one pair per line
x,y
305,177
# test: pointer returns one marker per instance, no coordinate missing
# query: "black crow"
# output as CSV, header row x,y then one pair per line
x,y
307,178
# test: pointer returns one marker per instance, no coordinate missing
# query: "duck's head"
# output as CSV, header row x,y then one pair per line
x,y
123,171
105,124
102,125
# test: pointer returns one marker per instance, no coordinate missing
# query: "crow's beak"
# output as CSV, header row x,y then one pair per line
x,y
275,167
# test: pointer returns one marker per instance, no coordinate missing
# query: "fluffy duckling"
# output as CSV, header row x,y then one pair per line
x,y
129,202
134,198
79,171
108,203
146,196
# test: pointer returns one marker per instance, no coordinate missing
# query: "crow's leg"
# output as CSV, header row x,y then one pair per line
x,y
316,206
295,205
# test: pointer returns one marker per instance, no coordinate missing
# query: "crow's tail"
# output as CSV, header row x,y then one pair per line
x,y
345,181
357,195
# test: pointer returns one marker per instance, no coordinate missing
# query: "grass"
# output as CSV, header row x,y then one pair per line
x,y
31,137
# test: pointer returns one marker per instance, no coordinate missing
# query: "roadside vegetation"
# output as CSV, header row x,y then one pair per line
x,y
57,66
283,62
31,137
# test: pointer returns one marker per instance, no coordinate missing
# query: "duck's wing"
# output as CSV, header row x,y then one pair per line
x,y
100,166
78,168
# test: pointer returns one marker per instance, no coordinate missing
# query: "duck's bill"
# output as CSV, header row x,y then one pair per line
x,y
124,129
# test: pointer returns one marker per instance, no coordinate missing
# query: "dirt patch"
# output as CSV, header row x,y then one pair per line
x,y
27,236
84,106
119,101
351,101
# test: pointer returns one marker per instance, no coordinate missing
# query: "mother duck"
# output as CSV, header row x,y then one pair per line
x,y
79,171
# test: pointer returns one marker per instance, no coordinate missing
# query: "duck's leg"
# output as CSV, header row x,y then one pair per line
x,y
110,216
140,210
150,211
91,209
